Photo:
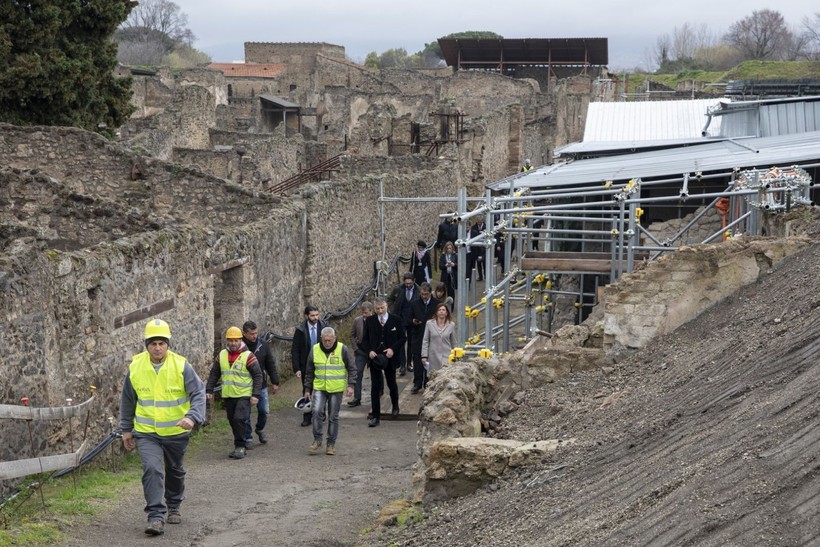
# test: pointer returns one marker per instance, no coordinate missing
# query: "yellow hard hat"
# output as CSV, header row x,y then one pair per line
x,y
157,328
233,332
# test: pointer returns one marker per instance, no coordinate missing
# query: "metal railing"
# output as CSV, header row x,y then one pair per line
x,y
313,173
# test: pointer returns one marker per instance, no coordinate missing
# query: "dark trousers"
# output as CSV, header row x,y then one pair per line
x,y
419,374
376,388
239,416
477,263
163,477
406,350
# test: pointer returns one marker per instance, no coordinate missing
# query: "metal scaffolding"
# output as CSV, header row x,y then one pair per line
x,y
593,232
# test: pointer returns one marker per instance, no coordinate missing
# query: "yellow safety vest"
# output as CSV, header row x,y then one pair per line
x,y
236,379
329,372
161,397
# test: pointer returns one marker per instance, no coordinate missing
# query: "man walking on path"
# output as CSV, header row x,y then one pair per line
x,y
400,301
305,337
383,337
330,372
257,346
356,333
241,383
162,400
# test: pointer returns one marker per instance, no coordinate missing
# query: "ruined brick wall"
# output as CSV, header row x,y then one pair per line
x,y
679,286
200,252
243,88
301,60
290,52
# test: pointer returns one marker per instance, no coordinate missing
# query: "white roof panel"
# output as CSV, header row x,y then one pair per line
x,y
649,120
760,152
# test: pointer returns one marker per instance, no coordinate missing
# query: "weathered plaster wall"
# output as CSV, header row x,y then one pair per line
x,y
679,286
193,249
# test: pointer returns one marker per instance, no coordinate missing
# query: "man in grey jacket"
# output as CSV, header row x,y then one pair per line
x,y
162,400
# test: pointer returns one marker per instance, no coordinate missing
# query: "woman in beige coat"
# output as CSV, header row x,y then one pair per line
x,y
439,339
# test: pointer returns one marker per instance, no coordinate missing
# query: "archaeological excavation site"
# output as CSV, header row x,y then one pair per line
x,y
637,307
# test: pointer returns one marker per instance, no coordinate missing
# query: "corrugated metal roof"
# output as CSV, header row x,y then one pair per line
x,y
761,152
278,101
768,118
488,53
649,120
628,146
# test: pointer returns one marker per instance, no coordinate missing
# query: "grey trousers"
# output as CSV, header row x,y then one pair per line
x,y
163,476
320,400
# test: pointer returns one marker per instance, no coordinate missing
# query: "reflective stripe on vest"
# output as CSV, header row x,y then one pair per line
x,y
329,372
161,397
236,378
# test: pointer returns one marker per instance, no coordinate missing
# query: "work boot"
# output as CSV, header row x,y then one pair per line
x,y
314,448
355,402
237,454
248,444
174,517
331,449
263,439
306,420
155,528
402,371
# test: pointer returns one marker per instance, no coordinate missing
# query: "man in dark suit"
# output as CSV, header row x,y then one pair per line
x,y
307,334
382,339
400,299
421,309
477,251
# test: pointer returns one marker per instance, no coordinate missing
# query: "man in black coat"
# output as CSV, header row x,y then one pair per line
x,y
306,335
421,310
400,299
260,348
477,251
382,339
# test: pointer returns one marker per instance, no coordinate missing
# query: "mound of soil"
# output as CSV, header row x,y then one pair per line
x,y
709,437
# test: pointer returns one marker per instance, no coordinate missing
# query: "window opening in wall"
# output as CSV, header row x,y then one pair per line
x,y
327,127
230,90
229,298
293,87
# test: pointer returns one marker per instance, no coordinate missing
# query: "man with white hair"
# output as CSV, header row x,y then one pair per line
x,y
331,373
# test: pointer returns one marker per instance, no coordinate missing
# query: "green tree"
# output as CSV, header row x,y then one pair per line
x,y
57,63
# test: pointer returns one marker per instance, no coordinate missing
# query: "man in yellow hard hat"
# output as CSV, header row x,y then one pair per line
x,y
241,377
162,400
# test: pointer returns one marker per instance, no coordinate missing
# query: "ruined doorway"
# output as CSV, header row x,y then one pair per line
x,y
229,302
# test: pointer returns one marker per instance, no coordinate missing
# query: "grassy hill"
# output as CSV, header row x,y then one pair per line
x,y
757,70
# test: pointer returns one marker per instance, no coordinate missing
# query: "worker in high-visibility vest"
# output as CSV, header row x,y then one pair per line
x,y
238,369
330,374
162,400
527,166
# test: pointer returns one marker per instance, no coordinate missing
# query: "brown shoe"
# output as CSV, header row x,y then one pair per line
x,y
173,517
155,528
331,449
314,448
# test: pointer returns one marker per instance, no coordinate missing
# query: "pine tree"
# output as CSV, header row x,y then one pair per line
x,y
57,63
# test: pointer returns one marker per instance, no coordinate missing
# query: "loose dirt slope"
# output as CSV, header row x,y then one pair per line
x,y
711,437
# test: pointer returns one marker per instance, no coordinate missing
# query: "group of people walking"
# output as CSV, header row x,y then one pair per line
x,y
163,398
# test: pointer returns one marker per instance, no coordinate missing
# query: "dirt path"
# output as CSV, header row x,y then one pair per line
x,y
277,495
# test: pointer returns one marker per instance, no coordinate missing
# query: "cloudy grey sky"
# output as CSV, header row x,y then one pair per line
x,y
362,26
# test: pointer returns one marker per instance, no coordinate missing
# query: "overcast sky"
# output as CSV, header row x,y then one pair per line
x,y
362,26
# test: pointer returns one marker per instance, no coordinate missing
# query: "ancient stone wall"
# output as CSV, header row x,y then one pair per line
x,y
89,254
679,286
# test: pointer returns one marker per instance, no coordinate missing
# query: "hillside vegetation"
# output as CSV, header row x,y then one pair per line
x,y
754,70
